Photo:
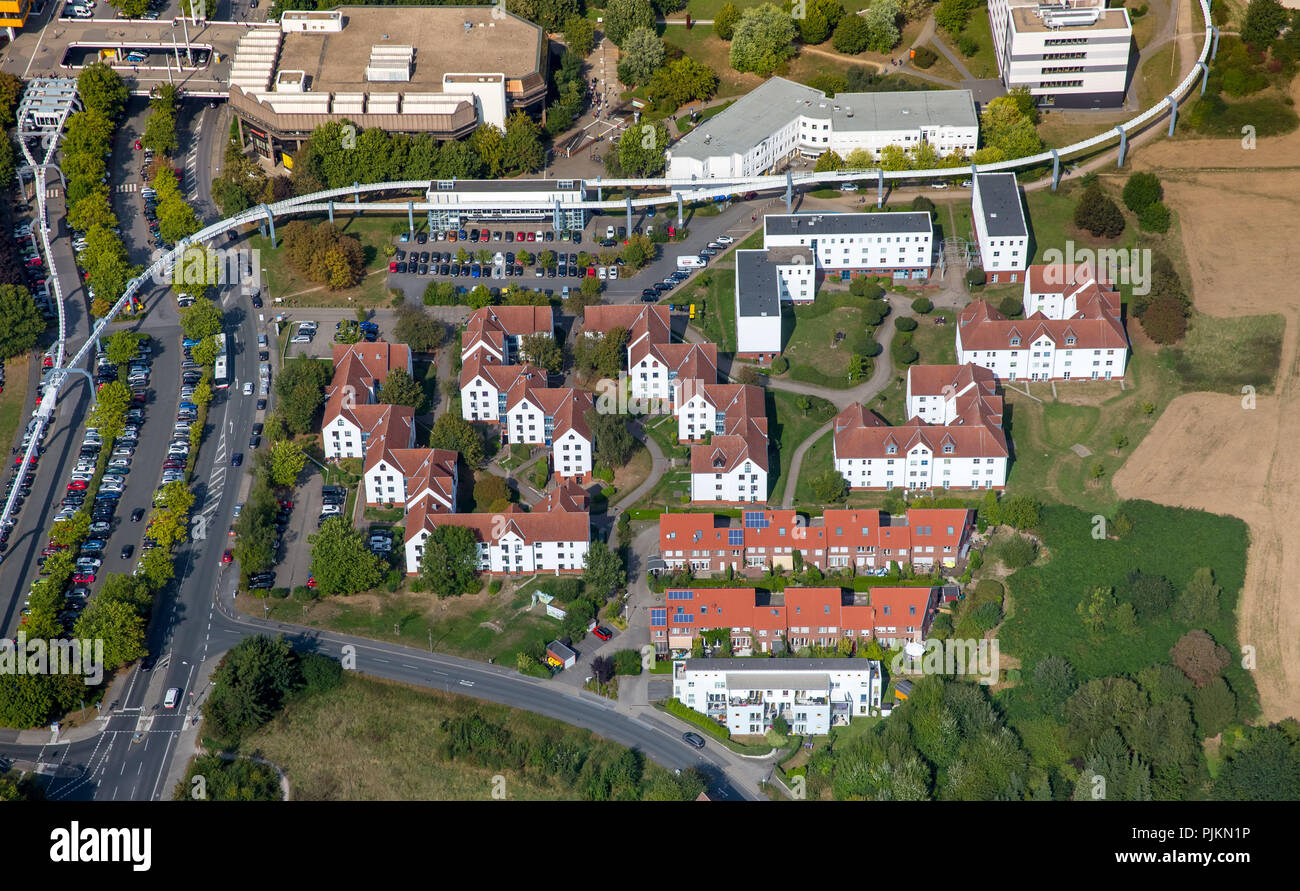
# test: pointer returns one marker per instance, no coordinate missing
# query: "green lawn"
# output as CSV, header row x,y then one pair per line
x,y
788,426
817,460
372,231
663,431
714,295
11,400
1089,413
375,740
984,63
821,337
425,372
954,220
1051,222
1223,355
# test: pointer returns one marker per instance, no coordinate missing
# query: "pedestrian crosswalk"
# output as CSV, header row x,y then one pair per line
x,y
53,192
127,187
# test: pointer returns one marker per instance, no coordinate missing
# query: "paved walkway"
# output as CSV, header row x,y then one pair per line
x,y
659,465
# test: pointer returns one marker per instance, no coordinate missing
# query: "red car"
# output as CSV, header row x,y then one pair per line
x,y
392,266
286,504
311,581
76,485
137,146
532,236
519,236
602,632
226,557
83,578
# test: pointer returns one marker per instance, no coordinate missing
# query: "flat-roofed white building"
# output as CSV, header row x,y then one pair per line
x,y
550,200
781,118
1001,229
746,695
900,245
1070,54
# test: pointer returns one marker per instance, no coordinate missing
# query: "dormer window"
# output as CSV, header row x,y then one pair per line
x,y
1015,341
947,448
891,449
1069,341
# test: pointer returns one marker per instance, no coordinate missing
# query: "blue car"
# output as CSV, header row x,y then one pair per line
x,y
189,342
462,235
188,405
236,459
476,272
94,544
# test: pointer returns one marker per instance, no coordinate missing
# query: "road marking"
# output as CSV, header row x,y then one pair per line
x,y
467,683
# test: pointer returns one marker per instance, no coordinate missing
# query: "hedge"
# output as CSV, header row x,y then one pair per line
x,y
675,708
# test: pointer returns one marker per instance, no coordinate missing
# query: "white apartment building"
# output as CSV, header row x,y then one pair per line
x,y
1070,54
731,469
1084,347
845,244
546,539
400,476
1001,230
781,118
540,415
935,393
758,303
746,695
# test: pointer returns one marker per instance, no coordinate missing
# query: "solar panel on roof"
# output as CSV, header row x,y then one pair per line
x,y
735,537
658,618
681,595
756,519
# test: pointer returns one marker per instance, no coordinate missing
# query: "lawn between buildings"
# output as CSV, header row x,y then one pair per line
x,y
374,232
377,740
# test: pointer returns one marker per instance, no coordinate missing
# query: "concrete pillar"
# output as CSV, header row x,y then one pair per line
x,y
1056,170
789,191
1123,145
1214,50
1173,112
356,194
410,219
331,209
1205,76
629,213
880,187
679,210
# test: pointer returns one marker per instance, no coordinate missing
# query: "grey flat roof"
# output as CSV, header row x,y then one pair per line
x,y
781,665
774,103
846,223
1004,215
785,680
757,285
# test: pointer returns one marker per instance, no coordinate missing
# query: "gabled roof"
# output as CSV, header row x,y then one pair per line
x,y
983,328
530,526
502,377
644,324
974,431
949,380
492,324
358,369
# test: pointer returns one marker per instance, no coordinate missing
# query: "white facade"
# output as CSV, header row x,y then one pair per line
x,y
1001,230
385,483
811,694
696,418
526,423
758,334
342,439
480,400
1071,54
746,482
571,454
855,242
924,468
511,554
1044,359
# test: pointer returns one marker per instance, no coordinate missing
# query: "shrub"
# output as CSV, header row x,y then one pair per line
x,y
921,306
968,45
1098,214
864,286
906,323
319,673
1015,551
1164,320
1141,191
494,586
1154,218
304,594
904,353
1199,657
780,365
925,57
1010,306
279,593
975,278
627,662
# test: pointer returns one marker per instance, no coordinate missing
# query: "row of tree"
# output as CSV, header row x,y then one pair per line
x,y
321,253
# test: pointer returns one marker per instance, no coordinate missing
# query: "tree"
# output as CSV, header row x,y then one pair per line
x,y
21,323
201,319
449,562
287,462
160,130
118,625
614,441
852,35
451,431
762,39
93,209
814,27
1199,602
882,24
1165,320
1151,594
1142,190
418,330
724,22
579,34
542,350
1263,766
340,560
642,53
1006,127
641,150
401,389
1096,608
603,574
1213,706
301,391
521,146
601,355
491,493
1262,22
1199,657
1020,511
102,89
250,686
1097,213
952,15
827,162
11,90
829,487
1155,218
1053,682
622,17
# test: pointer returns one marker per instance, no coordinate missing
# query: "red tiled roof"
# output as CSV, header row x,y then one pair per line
x,y
359,368
531,526
981,327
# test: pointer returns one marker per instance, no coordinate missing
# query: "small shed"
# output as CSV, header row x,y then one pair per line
x,y
902,690
560,656
949,593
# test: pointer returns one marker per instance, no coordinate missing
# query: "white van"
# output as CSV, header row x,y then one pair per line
x,y
172,698
690,263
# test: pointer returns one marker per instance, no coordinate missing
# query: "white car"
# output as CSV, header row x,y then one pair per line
x,y
613,273
601,273
120,462
248,388
725,239
609,231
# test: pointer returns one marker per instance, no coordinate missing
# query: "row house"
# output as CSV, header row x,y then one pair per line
x,y
403,475
484,387
786,621
747,696
352,415
1066,290
556,417
864,540
497,333
553,537
1090,345
656,367
732,465
968,450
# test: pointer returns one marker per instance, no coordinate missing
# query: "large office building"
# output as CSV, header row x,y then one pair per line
x,y
1070,54
428,69
781,118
